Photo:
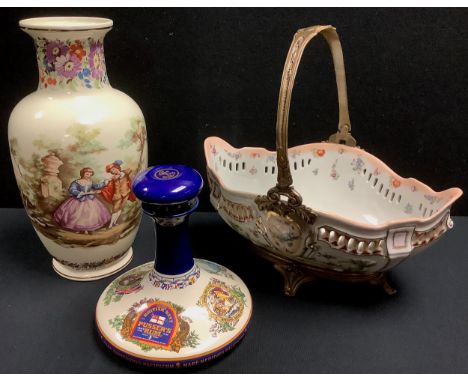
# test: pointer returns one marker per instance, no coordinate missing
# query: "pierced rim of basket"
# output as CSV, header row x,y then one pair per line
x,y
451,194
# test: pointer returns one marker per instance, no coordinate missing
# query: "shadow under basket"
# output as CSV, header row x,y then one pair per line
x,y
348,217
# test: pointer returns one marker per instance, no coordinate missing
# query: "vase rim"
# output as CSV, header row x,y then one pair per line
x,y
66,23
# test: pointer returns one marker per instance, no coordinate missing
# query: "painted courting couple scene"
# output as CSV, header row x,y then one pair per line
x,y
71,196
84,212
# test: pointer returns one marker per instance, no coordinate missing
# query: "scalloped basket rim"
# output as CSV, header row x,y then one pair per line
x,y
452,194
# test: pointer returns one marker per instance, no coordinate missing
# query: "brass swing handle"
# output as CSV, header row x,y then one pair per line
x,y
293,59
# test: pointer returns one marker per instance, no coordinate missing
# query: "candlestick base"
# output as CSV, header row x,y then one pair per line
x,y
174,321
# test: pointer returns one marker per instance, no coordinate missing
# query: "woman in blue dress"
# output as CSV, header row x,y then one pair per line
x,y
82,211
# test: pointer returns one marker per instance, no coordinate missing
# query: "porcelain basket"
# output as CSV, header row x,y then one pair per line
x,y
349,217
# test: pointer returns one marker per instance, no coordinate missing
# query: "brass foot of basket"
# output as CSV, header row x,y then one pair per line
x,y
382,281
293,276
296,273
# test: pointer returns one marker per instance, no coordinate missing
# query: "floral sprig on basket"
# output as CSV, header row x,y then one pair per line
x,y
74,64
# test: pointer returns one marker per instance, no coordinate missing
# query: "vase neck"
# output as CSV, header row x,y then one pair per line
x,y
70,60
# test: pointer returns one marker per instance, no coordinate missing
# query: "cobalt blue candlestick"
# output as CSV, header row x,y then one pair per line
x,y
176,311
169,194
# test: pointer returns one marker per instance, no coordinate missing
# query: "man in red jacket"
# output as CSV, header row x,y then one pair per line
x,y
118,189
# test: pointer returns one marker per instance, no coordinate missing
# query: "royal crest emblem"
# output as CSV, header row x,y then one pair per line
x,y
128,283
225,305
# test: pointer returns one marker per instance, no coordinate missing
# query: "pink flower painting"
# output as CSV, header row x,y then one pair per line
x,y
68,66
55,49
96,60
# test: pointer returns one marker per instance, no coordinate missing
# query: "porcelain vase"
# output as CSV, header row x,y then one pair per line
x,y
76,144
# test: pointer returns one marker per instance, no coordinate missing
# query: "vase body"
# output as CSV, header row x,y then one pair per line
x,y
76,144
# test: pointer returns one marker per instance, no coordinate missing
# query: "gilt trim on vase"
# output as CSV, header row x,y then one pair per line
x,y
89,265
